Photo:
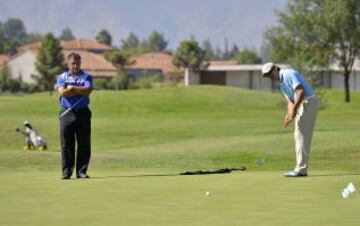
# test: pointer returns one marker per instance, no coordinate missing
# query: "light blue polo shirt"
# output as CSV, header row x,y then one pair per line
x,y
82,79
289,80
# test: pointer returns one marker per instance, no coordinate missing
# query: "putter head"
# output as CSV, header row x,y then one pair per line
x,y
260,161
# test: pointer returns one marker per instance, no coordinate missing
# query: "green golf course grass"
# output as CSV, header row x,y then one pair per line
x,y
143,139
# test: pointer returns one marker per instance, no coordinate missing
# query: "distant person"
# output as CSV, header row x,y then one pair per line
x,y
32,139
74,87
302,107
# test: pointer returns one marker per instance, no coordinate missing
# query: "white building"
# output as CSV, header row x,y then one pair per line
x,y
22,65
250,77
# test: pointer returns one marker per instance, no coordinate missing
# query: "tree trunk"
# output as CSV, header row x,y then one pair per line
x,y
51,89
187,77
347,86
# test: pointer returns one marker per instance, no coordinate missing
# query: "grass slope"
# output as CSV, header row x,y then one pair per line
x,y
139,134
179,128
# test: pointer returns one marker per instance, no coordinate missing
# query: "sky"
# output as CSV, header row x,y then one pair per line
x,y
241,22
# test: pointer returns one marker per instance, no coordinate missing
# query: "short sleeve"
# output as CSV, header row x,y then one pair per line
x,y
60,82
88,82
294,80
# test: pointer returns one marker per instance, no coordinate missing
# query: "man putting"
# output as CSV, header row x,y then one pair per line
x,y
302,107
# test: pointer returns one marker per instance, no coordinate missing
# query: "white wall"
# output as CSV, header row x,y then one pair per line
x,y
194,78
23,64
238,79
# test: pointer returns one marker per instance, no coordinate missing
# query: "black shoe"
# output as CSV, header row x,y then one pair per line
x,y
66,177
82,176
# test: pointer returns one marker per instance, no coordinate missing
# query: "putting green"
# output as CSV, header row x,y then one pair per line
x,y
140,137
154,198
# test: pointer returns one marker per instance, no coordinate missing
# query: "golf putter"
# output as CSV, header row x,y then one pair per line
x,y
261,161
70,108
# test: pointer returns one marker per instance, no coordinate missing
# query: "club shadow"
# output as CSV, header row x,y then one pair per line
x,y
134,176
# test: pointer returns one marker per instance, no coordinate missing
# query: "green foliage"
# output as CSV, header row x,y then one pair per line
x,y
49,62
5,79
14,29
315,33
131,44
104,37
101,83
118,58
66,35
120,81
189,55
209,51
148,81
13,34
31,38
155,43
248,56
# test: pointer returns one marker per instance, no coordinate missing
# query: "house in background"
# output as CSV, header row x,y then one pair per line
x,y
153,64
334,78
22,65
3,60
250,77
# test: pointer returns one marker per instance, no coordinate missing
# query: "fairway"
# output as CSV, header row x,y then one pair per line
x,y
143,139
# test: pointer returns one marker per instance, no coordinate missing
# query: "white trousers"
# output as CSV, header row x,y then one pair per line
x,y
304,128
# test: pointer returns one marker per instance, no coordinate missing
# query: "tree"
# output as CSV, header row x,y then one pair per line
x,y
247,56
226,54
234,51
156,42
66,35
119,59
11,34
209,51
190,56
14,29
131,43
315,33
7,83
104,37
30,38
49,62
5,77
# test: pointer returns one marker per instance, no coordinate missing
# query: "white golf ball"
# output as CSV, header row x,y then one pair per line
x,y
208,193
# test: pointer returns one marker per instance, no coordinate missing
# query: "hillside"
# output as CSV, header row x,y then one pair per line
x,y
200,127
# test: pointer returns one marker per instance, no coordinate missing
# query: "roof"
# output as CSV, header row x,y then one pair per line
x,y
32,47
84,44
239,67
154,61
223,62
3,59
95,64
75,44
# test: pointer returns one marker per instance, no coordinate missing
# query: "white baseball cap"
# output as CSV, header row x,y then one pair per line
x,y
266,68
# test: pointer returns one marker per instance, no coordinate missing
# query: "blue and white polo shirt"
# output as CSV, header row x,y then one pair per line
x,y
67,79
289,80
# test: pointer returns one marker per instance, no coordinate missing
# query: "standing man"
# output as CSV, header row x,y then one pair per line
x,y
302,107
74,87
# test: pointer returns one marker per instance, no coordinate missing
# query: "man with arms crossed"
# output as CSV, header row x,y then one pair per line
x,y
74,87
302,107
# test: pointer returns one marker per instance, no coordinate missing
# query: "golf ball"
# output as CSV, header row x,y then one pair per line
x,y
208,193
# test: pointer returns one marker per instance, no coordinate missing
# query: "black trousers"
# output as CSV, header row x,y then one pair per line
x,y
75,127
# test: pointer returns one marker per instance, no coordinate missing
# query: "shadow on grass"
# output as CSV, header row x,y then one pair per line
x,y
140,175
187,173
